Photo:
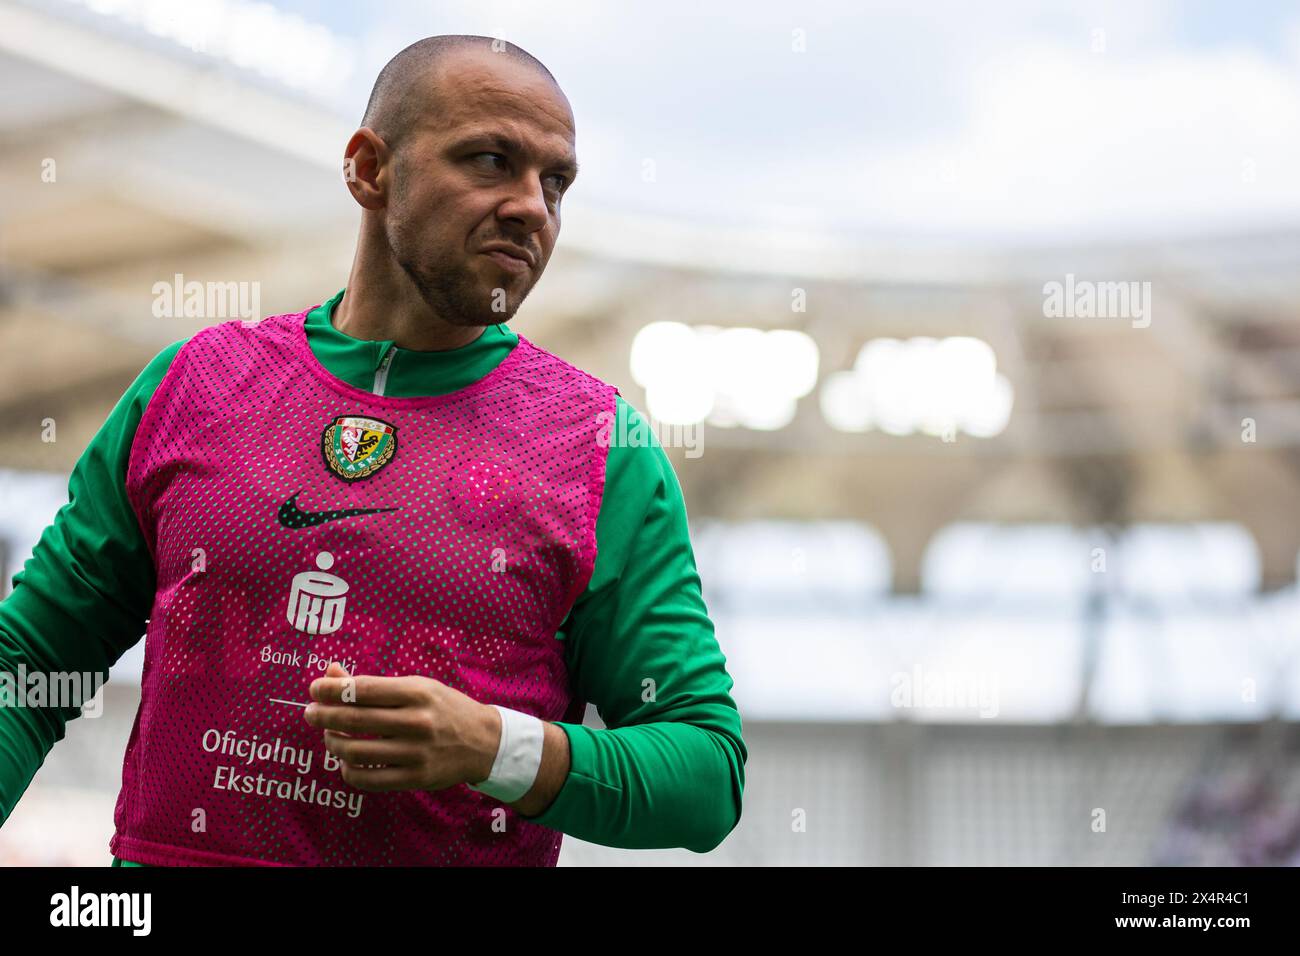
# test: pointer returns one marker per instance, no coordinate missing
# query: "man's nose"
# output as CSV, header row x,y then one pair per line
x,y
527,204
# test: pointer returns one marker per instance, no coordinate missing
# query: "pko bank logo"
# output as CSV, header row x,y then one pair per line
x,y
317,598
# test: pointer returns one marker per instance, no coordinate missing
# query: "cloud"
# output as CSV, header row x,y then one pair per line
x,y
1062,140
952,121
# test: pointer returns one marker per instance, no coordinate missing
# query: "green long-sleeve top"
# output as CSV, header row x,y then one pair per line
x,y
668,770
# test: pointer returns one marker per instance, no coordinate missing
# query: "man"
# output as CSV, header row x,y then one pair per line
x,y
397,492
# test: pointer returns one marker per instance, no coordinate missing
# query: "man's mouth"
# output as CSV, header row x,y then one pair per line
x,y
508,262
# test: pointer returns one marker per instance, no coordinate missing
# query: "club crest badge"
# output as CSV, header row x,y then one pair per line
x,y
357,447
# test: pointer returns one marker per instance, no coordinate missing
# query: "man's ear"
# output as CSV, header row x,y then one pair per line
x,y
367,168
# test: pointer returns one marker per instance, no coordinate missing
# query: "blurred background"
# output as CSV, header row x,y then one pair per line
x,y
971,333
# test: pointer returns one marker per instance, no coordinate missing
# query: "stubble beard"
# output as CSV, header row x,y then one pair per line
x,y
458,297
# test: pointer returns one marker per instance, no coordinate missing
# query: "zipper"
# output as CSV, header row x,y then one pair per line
x,y
381,373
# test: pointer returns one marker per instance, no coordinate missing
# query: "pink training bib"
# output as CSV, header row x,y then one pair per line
x,y
293,520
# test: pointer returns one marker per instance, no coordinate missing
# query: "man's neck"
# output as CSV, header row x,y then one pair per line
x,y
408,325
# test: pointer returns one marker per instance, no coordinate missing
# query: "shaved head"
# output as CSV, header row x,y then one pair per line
x,y
460,165
399,98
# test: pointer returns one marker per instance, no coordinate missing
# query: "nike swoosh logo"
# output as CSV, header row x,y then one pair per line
x,y
291,517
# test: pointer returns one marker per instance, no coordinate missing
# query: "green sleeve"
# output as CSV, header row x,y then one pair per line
x,y
84,596
669,770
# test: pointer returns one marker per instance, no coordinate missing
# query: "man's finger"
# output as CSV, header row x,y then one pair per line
x,y
365,689
358,719
380,778
358,751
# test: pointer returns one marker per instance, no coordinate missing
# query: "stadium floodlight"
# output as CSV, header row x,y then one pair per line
x,y
923,385
731,377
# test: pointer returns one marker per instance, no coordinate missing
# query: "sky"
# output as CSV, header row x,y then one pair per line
x,y
1041,122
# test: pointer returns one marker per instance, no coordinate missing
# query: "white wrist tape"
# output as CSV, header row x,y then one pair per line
x,y
519,755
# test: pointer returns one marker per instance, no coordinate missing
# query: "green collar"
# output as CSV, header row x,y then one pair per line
x,y
409,373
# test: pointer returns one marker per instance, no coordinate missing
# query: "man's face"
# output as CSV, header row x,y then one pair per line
x,y
485,165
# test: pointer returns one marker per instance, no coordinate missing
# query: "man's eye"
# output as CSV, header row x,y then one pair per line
x,y
556,182
502,158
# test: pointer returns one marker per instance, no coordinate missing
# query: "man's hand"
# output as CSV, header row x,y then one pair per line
x,y
429,736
